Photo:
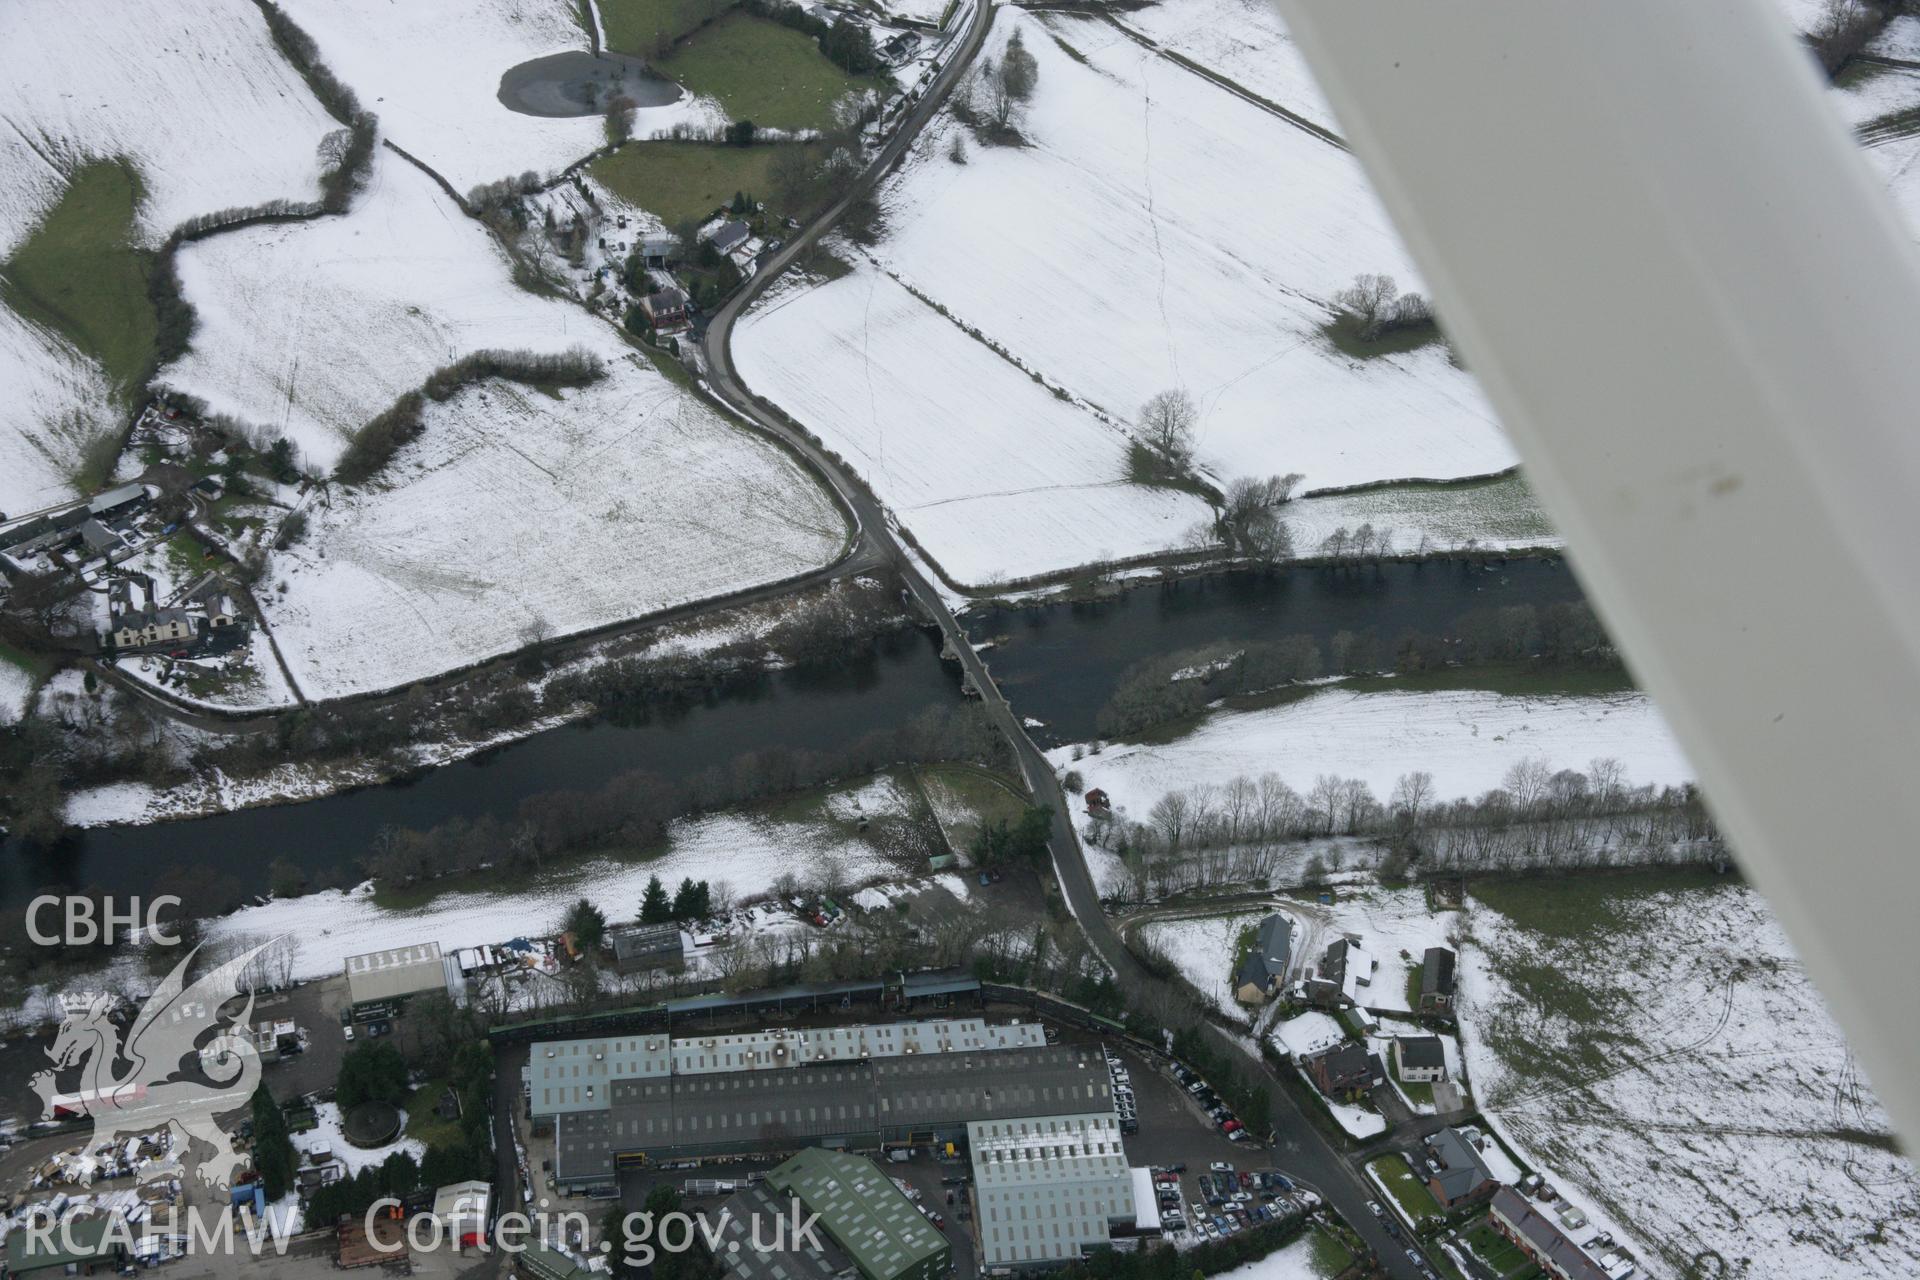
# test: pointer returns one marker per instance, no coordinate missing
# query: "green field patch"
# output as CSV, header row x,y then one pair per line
x,y
1393,342
1573,923
1499,508
1587,909
80,274
424,1123
1417,1092
682,182
648,28
761,71
1328,1255
968,798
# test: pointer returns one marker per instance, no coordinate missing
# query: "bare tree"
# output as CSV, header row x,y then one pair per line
x,y
1018,71
1843,29
1248,517
998,100
1366,302
852,110
957,148
1409,311
618,120
1411,795
1325,799
1166,427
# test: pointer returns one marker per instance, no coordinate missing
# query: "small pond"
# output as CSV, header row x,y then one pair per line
x,y
579,83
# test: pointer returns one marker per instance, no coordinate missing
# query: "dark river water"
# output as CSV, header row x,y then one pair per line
x,y
1059,663
811,709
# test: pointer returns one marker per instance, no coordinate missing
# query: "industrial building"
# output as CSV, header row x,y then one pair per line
x,y
865,1214
1049,1188
633,1099
784,1258
641,948
381,981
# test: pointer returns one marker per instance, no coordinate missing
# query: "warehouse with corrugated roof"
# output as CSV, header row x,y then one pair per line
x,y
864,1213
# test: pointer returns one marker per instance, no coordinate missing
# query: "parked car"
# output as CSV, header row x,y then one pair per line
x,y
1373,1207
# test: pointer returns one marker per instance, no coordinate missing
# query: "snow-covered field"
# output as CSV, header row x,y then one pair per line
x,y
1243,40
1663,1051
1875,91
195,96
747,854
1122,252
518,514
16,687
58,400
431,70
1467,739
1500,514
1130,247
312,328
993,474
1290,1262
192,92
1203,951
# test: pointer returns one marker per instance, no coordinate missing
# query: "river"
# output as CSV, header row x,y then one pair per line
x,y
1058,663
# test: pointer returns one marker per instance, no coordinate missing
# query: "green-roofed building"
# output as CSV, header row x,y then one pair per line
x,y
94,1248
543,1262
861,1210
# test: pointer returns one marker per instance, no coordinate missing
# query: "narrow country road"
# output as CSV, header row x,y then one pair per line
x,y
1299,1148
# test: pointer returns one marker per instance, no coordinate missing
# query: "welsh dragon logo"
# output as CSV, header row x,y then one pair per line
x,y
168,1072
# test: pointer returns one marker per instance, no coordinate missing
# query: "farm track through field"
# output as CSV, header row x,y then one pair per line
x,y
1240,91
